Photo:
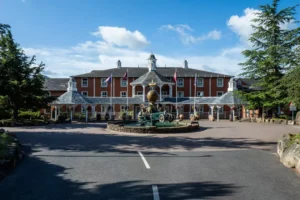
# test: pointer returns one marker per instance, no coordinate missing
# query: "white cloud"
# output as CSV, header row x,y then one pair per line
x,y
187,38
242,25
122,37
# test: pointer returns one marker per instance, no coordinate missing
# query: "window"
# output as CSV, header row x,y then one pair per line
x,y
103,94
103,108
201,108
103,83
123,108
180,82
221,109
220,82
164,92
139,93
123,94
84,82
180,94
123,83
220,93
84,93
200,82
83,109
200,93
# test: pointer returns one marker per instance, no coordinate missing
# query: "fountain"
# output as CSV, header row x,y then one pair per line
x,y
152,119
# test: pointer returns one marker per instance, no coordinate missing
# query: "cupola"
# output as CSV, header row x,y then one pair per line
x,y
152,63
72,84
119,64
185,64
232,85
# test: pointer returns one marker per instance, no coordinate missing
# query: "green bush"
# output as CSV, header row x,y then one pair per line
x,y
79,116
29,115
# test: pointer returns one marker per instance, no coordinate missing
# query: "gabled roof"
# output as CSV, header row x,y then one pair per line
x,y
139,71
56,84
152,76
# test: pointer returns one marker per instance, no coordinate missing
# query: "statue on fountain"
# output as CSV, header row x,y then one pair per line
x,y
151,114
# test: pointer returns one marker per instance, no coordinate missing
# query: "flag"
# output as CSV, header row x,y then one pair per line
x,y
108,80
195,82
125,76
175,76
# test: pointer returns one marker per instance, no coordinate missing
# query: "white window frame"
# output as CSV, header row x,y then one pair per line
x,y
123,108
103,92
103,108
87,82
122,95
139,92
82,93
221,110
200,92
180,80
123,81
201,108
202,82
180,92
218,82
218,92
103,83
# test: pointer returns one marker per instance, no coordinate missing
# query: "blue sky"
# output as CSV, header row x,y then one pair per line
x,y
73,37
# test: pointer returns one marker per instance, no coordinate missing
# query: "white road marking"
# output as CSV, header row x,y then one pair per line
x,y
145,161
155,192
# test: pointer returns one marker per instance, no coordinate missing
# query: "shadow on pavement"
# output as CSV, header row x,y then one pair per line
x,y
37,179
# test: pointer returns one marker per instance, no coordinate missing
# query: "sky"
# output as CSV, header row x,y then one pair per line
x,y
75,37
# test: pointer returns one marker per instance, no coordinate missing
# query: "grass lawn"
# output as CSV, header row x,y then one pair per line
x,y
294,138
5,141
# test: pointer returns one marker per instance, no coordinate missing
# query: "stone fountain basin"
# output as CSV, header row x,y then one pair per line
x,y
133,127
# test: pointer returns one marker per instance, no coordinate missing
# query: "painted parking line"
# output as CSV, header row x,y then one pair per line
x,y
144,160
155,192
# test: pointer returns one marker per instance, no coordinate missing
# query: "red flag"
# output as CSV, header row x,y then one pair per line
x,y
125,77
175,76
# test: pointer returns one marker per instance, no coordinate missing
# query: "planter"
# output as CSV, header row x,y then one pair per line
x,y
291,122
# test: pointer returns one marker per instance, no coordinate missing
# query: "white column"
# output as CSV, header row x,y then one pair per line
x,y
144,91
212,110
55,113
160,93
218,113
93,110
86,113
233,114
170,90
133,91
58,108
71,113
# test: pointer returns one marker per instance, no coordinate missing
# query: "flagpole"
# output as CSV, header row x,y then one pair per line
x,y
195,84
176,97
111,86
127,93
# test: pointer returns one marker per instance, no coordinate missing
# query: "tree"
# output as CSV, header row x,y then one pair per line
x,y
21,81
273,54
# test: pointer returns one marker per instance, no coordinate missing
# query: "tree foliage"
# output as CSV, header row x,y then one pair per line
x,y
21,81
272,55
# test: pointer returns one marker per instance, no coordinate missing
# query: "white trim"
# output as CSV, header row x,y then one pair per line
x,y
222,82
121,93
102,94
182,82
180,92
103,82
202,85
87,82
200,92
121,80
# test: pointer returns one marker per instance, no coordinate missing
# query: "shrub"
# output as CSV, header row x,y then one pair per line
x,y
29,115
4,114
61,119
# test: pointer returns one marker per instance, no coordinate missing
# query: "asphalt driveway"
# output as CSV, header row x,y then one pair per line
x,y
85,161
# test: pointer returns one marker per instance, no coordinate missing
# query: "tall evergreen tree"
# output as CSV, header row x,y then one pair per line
x,y
272,55
21,81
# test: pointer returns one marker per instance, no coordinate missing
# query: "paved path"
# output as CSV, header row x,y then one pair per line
x,y
84,161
